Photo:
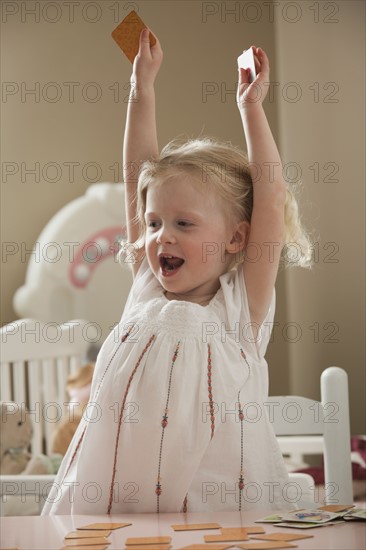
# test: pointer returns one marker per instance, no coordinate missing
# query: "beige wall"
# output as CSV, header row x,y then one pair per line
x,y
201,41
328,304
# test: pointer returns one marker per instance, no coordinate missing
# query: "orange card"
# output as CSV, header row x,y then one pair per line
x,y
148,547
87,547
87,534
266,545
241,530
335,508
127,35
195,526
104,526
282,536
205,546
226,538
94,541
147,540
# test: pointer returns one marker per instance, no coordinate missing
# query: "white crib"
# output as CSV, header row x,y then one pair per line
x,y
36,359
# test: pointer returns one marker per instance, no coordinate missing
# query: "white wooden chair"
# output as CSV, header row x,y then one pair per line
x,y
305,427
36,360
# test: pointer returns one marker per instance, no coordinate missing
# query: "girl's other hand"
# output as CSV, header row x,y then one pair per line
x,y
147,62
249,94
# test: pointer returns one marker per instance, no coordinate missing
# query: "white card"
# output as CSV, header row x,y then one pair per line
x,y
310,516
246,61
302,525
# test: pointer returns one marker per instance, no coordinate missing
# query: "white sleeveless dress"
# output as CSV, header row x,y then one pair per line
x,y
177,418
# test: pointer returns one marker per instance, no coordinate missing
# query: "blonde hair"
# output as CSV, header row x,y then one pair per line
x,y
226,169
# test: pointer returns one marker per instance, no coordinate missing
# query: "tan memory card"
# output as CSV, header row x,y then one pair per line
x,y
205,546
92,541
92,533
282,536
269,545
226,537
104,526
127,35
195,526
242,530
147,540
335,508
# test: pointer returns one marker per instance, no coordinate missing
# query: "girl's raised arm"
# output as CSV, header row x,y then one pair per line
x,y
140,139
266,234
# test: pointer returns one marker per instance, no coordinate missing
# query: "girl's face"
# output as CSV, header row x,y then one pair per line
x,y
186,239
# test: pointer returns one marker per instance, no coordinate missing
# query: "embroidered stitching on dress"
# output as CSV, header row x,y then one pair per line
x,y
241,418
164,423
120,420
123,339
209,368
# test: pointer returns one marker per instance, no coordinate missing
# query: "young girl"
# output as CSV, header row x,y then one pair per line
x,y
177,418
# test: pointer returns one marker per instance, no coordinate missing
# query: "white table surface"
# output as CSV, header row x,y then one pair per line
x,y
47,532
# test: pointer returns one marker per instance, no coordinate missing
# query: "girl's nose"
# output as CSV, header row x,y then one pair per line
x,y
165,236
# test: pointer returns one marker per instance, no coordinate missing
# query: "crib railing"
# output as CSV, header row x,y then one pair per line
x,y
36,360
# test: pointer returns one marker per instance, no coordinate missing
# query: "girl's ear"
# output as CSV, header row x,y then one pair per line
x,y
239,238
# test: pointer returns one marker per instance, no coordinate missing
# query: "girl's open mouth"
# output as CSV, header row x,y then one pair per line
x,y
169,265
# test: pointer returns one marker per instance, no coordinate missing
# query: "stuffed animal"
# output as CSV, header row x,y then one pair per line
x,y
16,436
17,430
78,387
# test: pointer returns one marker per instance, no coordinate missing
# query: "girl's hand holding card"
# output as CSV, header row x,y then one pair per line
x,y
141,47
253,67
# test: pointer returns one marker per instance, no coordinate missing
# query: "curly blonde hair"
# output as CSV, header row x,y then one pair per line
x,y
226,169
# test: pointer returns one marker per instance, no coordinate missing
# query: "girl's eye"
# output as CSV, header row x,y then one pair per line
x,y
184,223
152,224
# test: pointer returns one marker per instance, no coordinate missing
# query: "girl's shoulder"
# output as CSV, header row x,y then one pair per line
x,y
233,285
232,301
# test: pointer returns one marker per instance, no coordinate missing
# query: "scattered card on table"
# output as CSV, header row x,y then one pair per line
x,y
87,547
147,540
94,541
87,534
274,518
148,547
205,546
336,508
104,526
303,525
310,516
266,545
242,530
357,513
226,537
282,536
195,526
